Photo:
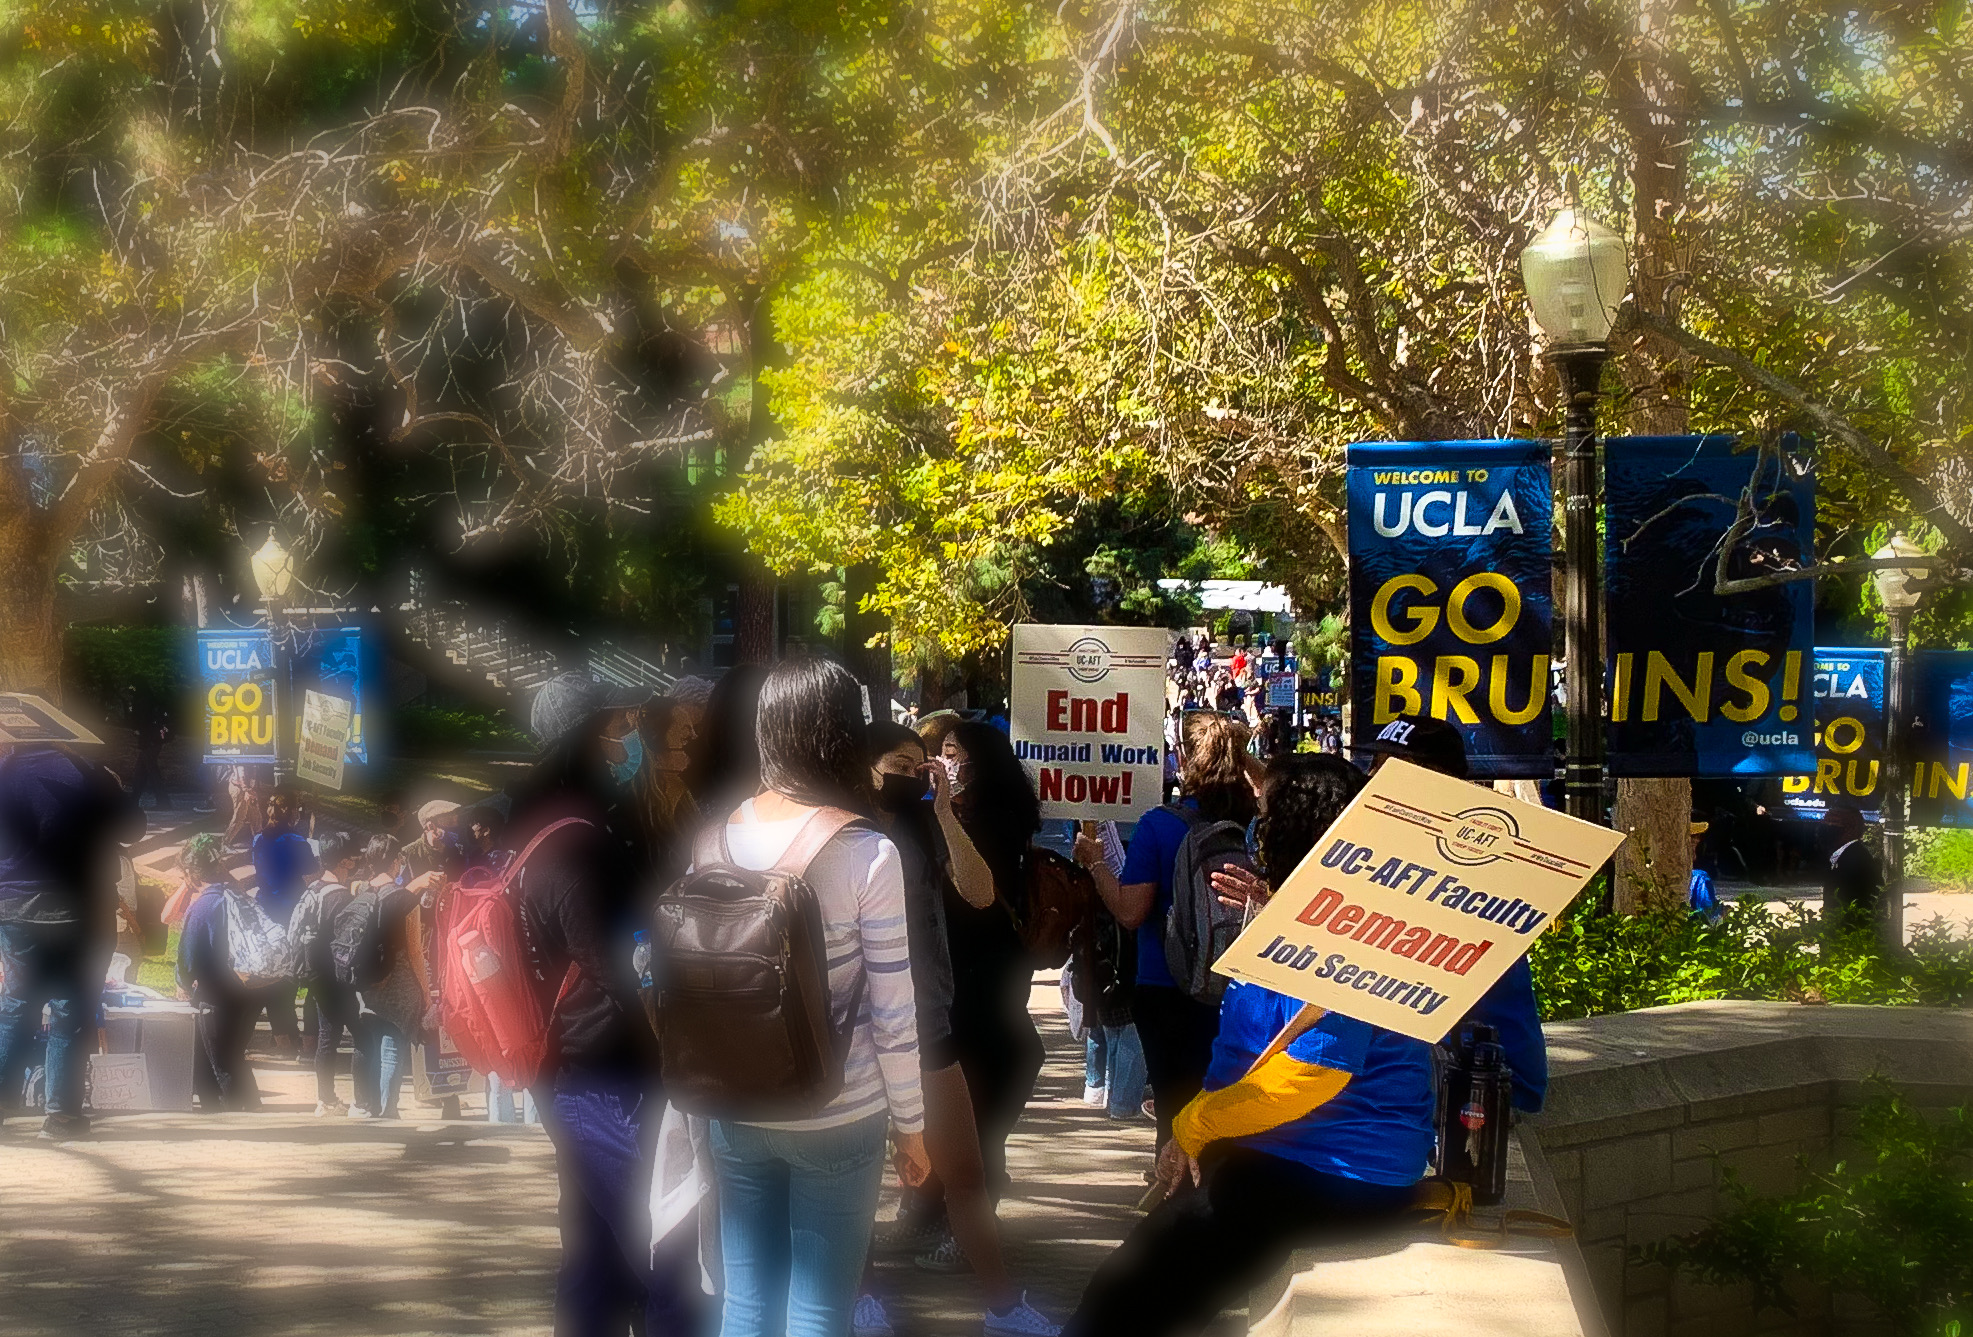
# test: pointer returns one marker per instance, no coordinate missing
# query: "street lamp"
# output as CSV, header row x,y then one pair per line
x,y
273,569
1895,586
1575,272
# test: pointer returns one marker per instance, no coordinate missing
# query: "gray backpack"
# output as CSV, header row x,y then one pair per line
x,y
1197,927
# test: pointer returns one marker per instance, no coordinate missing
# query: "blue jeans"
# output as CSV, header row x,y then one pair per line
x,y
381,1060
509,1104
604,1126
795,1211
57,965
1114,1058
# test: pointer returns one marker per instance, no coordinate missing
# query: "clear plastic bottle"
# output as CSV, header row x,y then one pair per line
x,y
481,961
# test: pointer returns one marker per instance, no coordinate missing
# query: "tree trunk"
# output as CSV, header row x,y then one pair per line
x,y
1654,866
867,637
753,616
30,638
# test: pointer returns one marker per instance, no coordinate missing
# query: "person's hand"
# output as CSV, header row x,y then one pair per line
x,y
914,1165
1176,1168
429,881
1239,887
1088,847
941,782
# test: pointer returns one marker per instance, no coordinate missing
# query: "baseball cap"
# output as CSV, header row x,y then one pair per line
x,y
437,808
1424,741
568,701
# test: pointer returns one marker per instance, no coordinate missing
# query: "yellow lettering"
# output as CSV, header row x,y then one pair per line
x,y
1955,781
263,729
1868,787
1510,613
1794,784
1757,691
1826,775
242,727
1620,691
1397,680
220,699
1696,699
1422,619
1448,691
219,731
247,698
1854,733
1537,691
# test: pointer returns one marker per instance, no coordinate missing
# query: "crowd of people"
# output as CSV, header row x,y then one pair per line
x,y
914,843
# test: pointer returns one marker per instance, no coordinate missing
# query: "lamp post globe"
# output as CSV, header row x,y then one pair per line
x,y
273,569
1576,272
1895,584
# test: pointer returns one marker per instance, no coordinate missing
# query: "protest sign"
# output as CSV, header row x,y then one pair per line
x,y
324,734
441,1071
1450,551
1849,736
1087,718
29,719
119,1082
1416,900
334,661
1701,683
236,669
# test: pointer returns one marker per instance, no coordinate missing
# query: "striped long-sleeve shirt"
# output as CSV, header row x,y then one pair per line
x,y
858,879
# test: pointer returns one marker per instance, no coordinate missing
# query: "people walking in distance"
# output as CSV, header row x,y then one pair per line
x,y
283,863
63,821
390,1001
1175,1029
914,808
582,895
797,1197
227,1007
1328,1135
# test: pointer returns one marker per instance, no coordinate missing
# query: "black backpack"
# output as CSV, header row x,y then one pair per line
x,y
359,950
1198,929
744,1011
309,928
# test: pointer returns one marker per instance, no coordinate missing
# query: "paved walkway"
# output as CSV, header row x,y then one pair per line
x,y
281,1223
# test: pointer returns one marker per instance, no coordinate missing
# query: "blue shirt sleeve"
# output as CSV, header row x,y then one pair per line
x,y
1509,1007
1337,1041
1149,858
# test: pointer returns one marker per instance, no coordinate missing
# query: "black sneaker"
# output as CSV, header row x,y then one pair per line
x,y
64,1128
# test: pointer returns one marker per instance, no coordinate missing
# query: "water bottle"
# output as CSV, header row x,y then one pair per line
x,y
481,961
1474,1099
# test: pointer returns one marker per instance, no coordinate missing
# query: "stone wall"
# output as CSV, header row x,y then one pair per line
x,y
1648,1110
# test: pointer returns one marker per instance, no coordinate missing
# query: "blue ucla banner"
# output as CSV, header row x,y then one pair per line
x,y
331,661
1941,737
1848,686
236,689
1700,683
1449,595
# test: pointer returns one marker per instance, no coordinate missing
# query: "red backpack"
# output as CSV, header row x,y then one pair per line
x,y
487,1003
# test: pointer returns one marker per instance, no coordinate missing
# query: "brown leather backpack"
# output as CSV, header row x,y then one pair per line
x,y
1060,895
744,1015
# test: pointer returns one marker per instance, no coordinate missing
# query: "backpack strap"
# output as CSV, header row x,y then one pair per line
x,y
513,868
822,826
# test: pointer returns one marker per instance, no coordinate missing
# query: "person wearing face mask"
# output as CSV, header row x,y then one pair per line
x,y
581,896
914,802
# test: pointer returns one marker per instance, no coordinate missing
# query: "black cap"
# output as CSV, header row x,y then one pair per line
x,y
1423,741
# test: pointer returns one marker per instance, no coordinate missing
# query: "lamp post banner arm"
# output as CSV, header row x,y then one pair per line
x,y
1450,599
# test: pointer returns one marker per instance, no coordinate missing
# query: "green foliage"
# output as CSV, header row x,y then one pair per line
x,y
117,667
1894,1225
434,729
1589,964
1940,854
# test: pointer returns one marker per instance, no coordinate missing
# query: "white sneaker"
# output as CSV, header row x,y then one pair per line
x,y
358,1112
1023,1320
948,1259
869,1318
1098,1096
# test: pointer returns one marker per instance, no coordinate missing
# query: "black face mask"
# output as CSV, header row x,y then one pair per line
x,y
899,792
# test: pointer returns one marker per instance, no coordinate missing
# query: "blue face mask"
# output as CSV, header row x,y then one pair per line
x,y
623,772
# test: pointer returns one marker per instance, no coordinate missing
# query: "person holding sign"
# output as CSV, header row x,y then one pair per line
x,y
1297,1134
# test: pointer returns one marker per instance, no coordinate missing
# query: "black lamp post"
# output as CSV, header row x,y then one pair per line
x,y
1895,586
1575,272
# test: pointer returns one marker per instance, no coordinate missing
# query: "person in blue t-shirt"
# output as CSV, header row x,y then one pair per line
x,y
283,862
1328,1135
1175,1029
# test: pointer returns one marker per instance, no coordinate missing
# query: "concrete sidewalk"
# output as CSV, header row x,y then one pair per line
x,y
280,1223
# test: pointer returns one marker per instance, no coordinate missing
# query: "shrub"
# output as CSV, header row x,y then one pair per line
x,y
430,728
1941,855
1894,1225
113,666
1589,964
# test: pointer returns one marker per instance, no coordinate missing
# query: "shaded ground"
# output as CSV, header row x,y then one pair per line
x,y
281,1223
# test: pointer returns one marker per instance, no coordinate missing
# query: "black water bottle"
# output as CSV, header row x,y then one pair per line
x,y
1474,1099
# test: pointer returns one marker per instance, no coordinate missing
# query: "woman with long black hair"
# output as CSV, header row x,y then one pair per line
x,y
797,1198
